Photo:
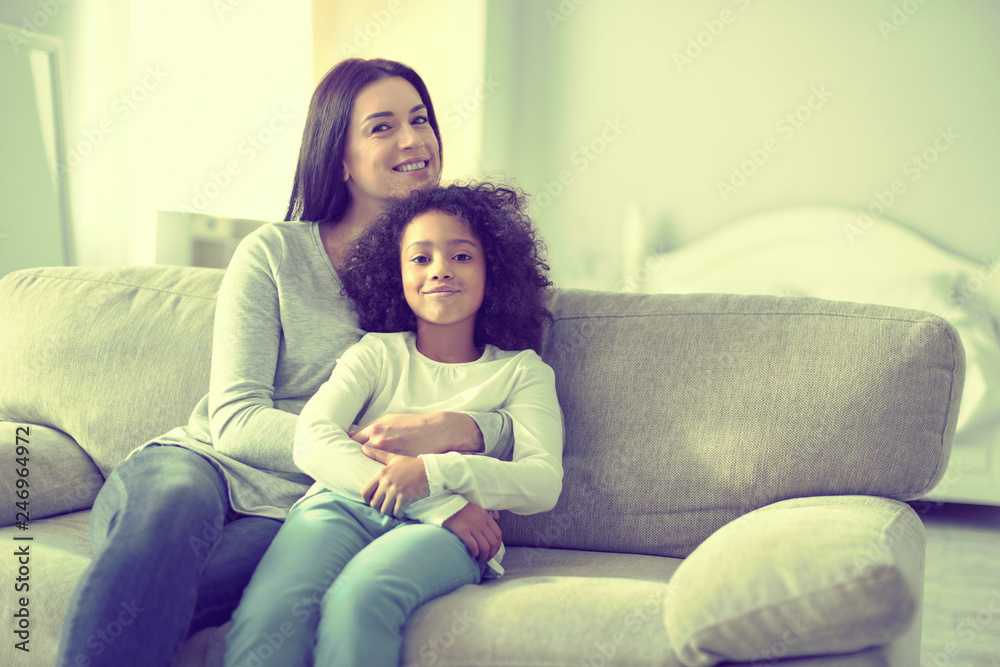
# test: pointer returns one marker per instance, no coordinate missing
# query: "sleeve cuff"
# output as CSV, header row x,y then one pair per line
x,y
442,512
432,468
496,428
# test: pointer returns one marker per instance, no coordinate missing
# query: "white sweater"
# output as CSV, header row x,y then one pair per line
x,y
385,373
280,325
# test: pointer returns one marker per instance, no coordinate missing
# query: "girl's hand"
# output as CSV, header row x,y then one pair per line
x,y
478,531
402,481
412,435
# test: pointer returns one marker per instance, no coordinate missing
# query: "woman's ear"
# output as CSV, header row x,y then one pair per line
x,y
347,173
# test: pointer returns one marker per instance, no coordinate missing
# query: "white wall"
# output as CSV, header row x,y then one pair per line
x,y
652,104
186,104
588,101
220,94
94,39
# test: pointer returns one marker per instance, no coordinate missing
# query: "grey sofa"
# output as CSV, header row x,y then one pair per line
x,y
736,471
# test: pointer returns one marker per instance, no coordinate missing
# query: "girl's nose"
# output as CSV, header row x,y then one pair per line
x,y
441,271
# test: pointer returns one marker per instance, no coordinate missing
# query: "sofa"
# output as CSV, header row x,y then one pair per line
x,y
737,471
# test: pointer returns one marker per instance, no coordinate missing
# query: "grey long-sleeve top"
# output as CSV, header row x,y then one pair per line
x,y
280,325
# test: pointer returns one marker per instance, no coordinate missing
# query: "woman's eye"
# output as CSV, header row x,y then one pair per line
x,y
417,120
381,127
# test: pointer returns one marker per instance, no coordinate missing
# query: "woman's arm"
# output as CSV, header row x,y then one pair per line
x,y
488,433
243,421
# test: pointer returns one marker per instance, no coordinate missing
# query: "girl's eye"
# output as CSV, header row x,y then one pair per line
x,y
420,259
462,257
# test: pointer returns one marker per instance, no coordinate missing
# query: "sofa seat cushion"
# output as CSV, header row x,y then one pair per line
x,y
59,552
801,577
554,607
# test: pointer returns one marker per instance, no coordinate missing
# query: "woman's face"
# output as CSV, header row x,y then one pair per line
x,y
391,148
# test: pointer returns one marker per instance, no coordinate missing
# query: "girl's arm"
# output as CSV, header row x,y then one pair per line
x,y
532,480
322,449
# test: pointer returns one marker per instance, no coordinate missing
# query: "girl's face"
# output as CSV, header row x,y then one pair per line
x,y
444,270
391,148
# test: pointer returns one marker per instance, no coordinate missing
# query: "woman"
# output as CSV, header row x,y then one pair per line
x,y
371,136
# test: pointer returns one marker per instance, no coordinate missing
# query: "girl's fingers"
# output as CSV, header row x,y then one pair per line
x,y
484,548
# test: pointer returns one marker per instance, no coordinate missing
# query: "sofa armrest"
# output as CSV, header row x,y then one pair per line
x,y
60,476
805,576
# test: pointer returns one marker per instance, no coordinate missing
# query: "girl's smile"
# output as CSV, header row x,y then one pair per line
x,y
444,277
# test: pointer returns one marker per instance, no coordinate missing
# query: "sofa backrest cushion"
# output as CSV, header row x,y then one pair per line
x,y
684,412
112,357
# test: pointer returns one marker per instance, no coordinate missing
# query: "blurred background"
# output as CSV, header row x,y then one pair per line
x,y
637,127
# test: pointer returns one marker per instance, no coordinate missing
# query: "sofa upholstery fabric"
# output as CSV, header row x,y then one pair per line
x,y
684,412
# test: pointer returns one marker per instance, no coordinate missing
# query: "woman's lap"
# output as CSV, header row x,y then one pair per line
x,y
159,517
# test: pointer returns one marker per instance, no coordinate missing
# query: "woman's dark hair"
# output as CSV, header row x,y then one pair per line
x,y
319,191
513,312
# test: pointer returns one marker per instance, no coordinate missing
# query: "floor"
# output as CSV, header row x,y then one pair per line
x,y
961,625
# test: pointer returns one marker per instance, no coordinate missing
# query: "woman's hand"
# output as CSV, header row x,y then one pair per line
x,y
412,435
402,481
477,529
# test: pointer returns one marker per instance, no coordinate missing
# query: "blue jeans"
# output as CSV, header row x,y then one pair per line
x,y
169,559
338,583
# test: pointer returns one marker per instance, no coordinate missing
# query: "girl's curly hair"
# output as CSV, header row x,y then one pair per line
x,y
513,312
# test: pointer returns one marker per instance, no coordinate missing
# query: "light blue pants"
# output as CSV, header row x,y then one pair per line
x,y
338,583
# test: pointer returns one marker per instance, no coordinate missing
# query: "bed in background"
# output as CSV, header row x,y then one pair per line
x,y
835,253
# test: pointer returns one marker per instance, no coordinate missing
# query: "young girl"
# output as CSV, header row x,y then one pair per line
x,y
453,280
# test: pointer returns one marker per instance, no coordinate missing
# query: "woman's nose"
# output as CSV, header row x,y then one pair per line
x,y
409,137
